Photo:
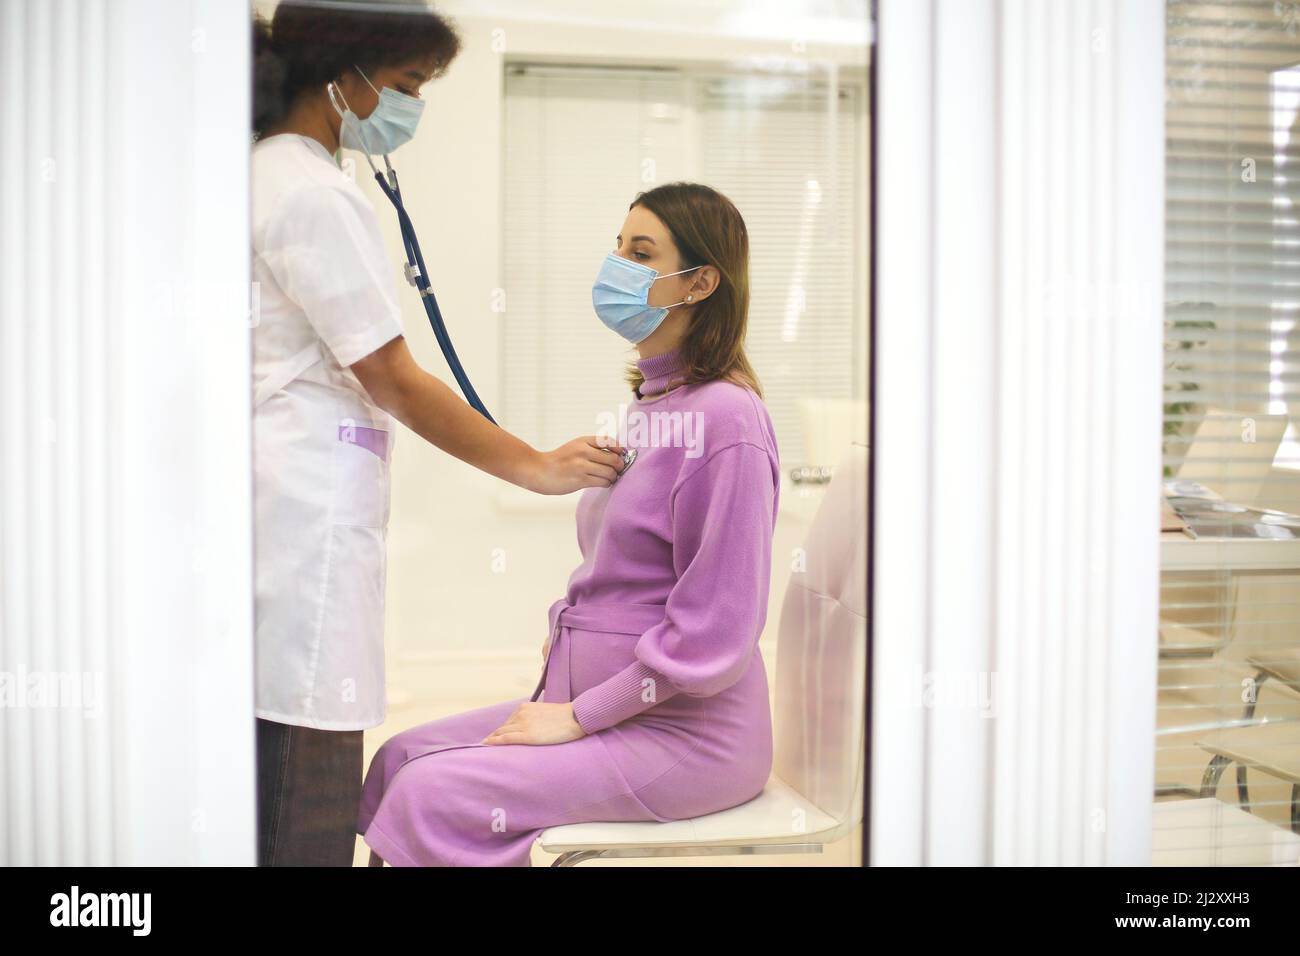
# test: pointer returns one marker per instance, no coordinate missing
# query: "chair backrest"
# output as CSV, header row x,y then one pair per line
x,y
828,425
1225,456
821,650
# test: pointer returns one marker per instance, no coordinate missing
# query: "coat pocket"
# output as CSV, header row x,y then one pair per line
x,y
361,475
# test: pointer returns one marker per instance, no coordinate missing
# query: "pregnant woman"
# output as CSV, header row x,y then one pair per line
x,y
653,699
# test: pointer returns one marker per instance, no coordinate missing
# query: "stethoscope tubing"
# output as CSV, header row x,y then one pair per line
x,y
415,261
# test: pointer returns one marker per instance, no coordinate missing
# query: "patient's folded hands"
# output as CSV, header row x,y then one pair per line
x,y
538,724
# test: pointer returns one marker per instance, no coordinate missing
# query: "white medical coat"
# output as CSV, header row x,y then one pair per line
x,y
327,297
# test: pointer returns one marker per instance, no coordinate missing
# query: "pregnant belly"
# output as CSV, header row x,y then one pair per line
x,y
595,657
717,748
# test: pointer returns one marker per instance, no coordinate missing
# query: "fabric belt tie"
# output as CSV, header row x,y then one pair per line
x,y
633,619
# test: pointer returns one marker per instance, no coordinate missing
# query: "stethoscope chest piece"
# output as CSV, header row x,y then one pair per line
x,y
629,458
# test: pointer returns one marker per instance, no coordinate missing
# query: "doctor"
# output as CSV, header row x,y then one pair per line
x,y
330,366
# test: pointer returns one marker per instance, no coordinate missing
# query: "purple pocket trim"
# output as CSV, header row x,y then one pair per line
x,y
374,440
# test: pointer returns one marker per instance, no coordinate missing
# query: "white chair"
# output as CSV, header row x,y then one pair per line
x,y
1219,458
828,426
1271,745
815,793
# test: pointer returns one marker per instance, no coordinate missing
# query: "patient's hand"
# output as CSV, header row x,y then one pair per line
x,y
537,723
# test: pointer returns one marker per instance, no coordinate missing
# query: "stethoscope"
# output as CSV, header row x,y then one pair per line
x,y
629,456
418,276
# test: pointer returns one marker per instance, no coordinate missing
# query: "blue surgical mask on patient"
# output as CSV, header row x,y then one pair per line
x,y
390,124
620,296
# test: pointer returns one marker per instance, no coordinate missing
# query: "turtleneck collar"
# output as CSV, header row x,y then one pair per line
x,y
659,371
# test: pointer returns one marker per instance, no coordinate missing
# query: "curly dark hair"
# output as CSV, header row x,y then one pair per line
x,y
307,43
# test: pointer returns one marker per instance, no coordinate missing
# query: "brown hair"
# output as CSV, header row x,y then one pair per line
x,y
708,230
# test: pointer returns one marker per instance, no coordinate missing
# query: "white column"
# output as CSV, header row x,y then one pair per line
x,y
126,512
1019,313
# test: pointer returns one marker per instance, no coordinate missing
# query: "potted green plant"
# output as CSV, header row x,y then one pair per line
x,y
1185,323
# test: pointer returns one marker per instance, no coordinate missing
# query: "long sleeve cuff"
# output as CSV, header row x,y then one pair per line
x,y
636,688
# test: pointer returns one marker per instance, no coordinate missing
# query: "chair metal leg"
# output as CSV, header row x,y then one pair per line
x,y
574,857
1243,794
1210,779
1295,808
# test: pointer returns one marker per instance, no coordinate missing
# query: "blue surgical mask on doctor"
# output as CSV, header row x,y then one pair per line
x,y
620,296
390,124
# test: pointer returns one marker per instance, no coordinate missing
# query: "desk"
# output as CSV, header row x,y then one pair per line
x,y
1178,552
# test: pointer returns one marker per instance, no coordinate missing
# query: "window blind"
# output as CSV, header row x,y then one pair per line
x,y
766,144
1228,738
580,142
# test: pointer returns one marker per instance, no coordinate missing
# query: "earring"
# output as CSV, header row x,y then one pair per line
x,y
689,298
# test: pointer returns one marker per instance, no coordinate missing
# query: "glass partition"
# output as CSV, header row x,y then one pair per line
x,y
626,220
1228,737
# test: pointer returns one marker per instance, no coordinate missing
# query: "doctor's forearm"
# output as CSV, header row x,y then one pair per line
x,y
433,411
427,406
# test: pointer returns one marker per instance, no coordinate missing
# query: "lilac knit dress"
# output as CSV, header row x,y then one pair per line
x,y
655,642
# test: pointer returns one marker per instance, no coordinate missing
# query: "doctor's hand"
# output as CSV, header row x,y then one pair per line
x,y
537,723
433,411
593,461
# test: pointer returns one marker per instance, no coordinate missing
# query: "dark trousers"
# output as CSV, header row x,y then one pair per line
x,y
308,793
